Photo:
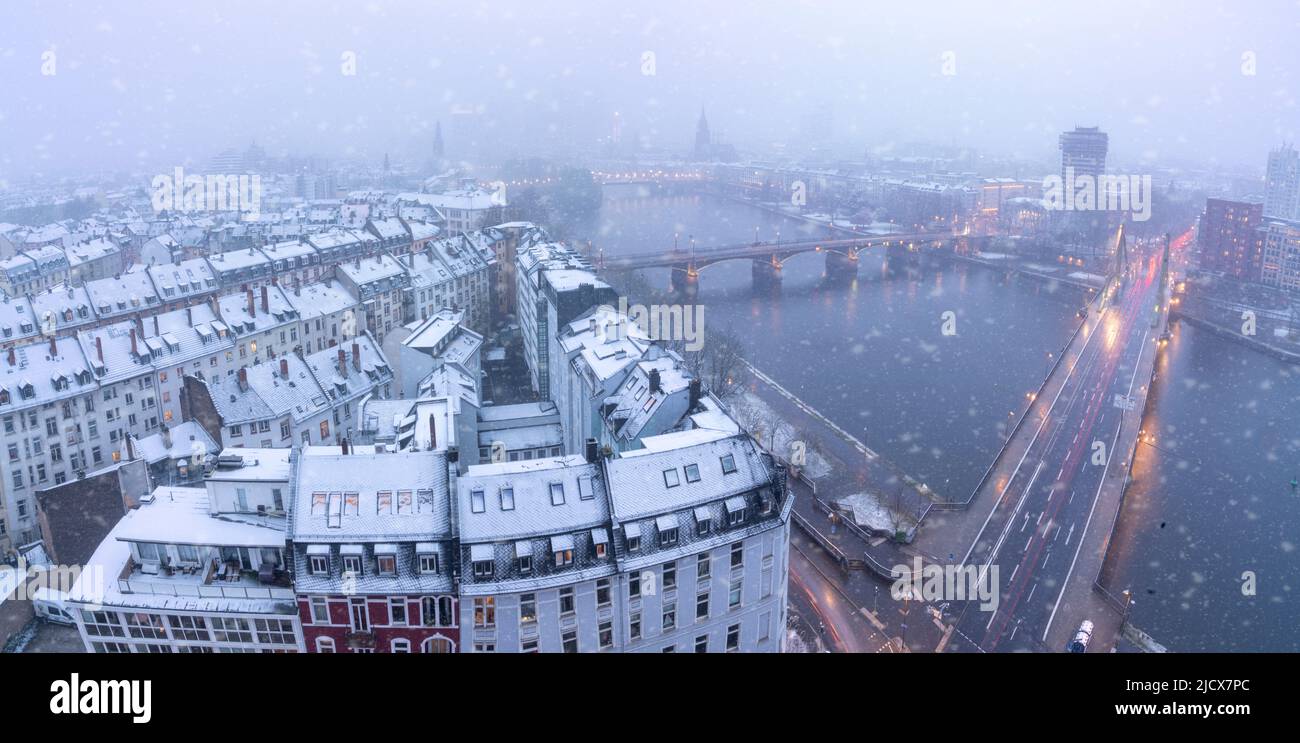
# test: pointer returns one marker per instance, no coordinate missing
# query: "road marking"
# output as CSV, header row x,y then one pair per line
x,y
1045,558
1012,579
1077,549
1047,415
1068,536
1025,494
1040,518
1025,524
1031,595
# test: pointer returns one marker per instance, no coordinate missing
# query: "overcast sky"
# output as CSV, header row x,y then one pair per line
x,y
146,85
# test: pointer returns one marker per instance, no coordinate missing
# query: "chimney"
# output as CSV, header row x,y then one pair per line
x,y
356,356
344,444
130,448
134,352
284,368
166,436
243,378
99,348
433,433
343,363
189,316
266,303
654,381
54,347
252,308
297,288
694,395
12,359
592,450
155,326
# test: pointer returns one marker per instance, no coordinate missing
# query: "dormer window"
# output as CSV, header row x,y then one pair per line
x,y
632,535
318,559
428,558
703,521
735,510
667,527
481,556
562,548
386,559
351,554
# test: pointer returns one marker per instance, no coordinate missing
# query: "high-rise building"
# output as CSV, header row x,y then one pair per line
x,y
1084,151
1229,240
1282,184
1280,264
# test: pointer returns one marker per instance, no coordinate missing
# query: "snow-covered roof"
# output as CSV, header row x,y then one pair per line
x,y
338,496
535,510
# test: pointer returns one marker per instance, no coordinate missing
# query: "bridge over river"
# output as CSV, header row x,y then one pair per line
x,y
767,258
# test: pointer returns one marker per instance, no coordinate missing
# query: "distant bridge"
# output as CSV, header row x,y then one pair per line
x,y
768,257
632,175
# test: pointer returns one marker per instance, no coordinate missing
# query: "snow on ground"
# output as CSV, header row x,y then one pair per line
x,y
994,256
1085,276
757,416
870,513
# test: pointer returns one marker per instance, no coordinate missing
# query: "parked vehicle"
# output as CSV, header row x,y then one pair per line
x,y
51,606
1081,638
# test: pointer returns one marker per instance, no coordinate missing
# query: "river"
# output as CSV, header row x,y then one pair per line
x,y
1211,498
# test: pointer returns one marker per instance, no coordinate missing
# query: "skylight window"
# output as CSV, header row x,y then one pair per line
x,y
728,464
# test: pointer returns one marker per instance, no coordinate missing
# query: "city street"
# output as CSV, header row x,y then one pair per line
x,y
1033,536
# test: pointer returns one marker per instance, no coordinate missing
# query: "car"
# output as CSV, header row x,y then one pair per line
x,y
1081,638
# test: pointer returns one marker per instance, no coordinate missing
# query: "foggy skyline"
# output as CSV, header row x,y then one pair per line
x,y
150,87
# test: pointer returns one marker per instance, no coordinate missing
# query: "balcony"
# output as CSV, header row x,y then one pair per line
x,y
359,639
213,580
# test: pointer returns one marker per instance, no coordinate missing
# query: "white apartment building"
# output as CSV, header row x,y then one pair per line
x,y
196,570
679,548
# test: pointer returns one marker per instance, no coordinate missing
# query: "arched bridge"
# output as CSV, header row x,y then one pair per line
x,y
773,252
767,257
